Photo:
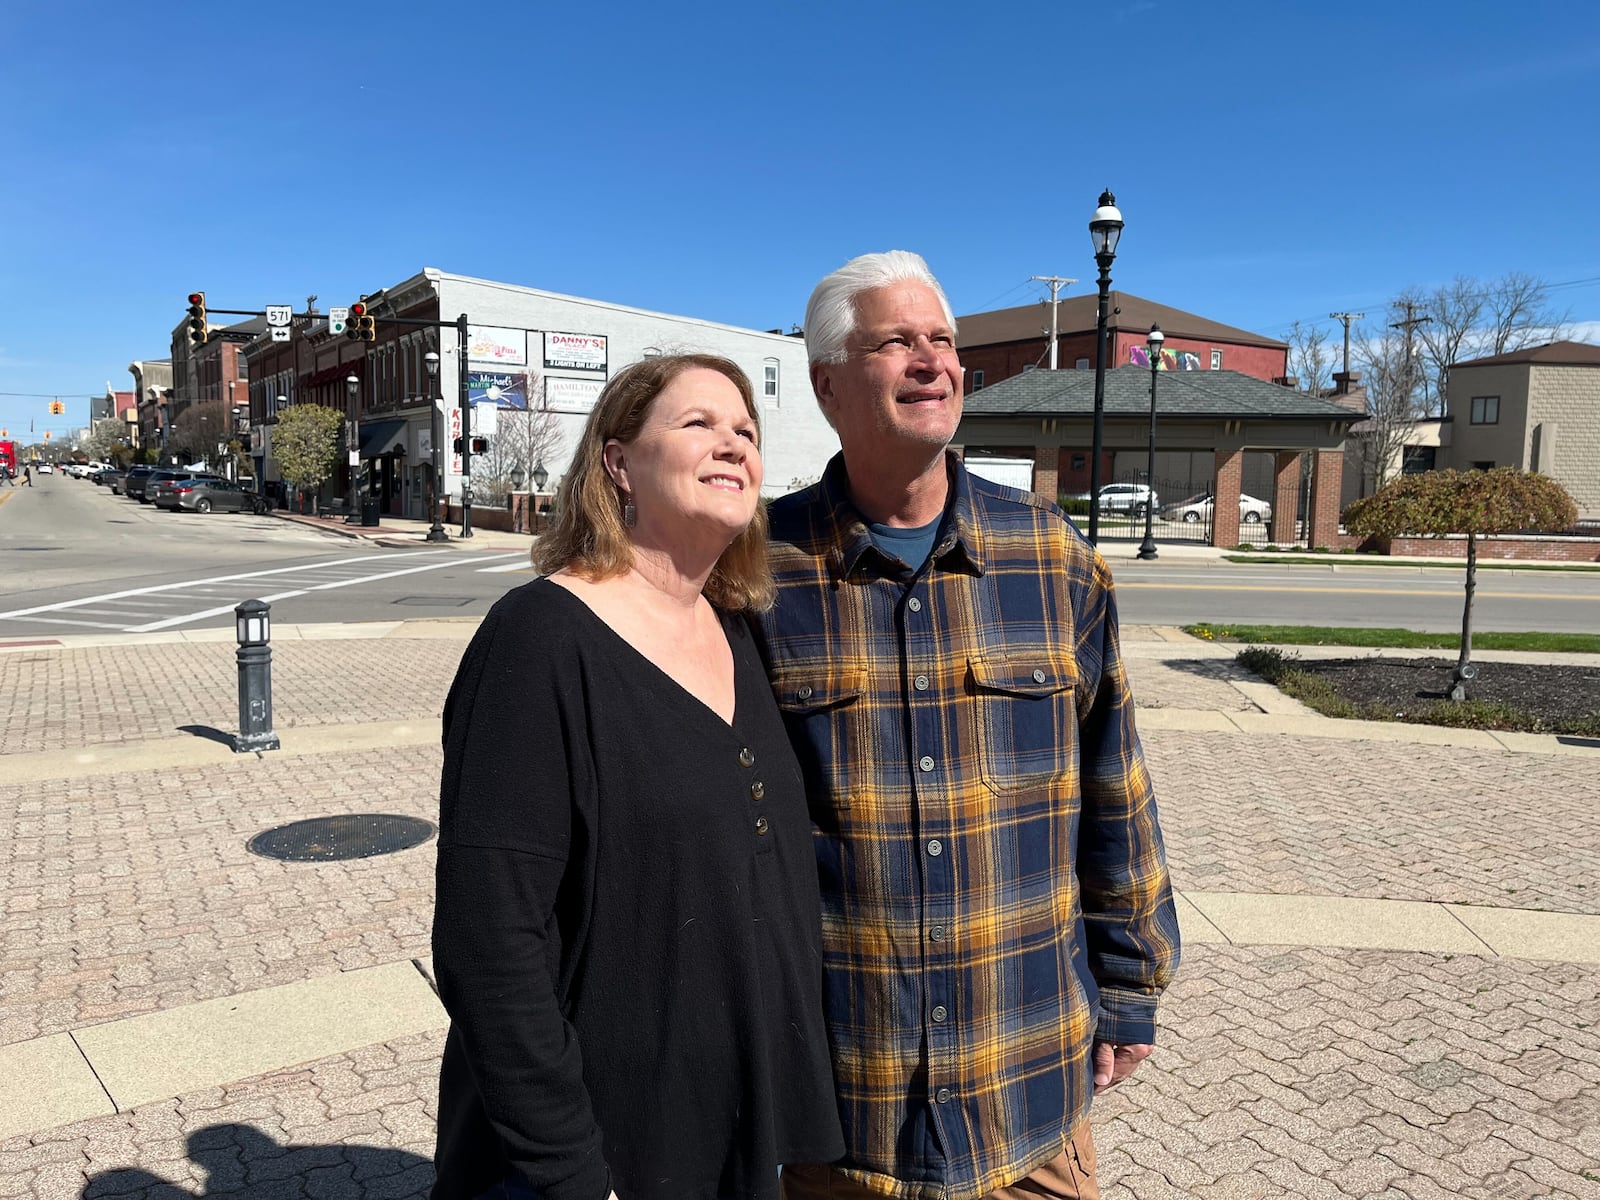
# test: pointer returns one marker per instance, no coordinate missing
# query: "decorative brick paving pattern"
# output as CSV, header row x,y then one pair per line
x,y
1188,683
55,699
1324,1074
1395,821
357,1126
132,895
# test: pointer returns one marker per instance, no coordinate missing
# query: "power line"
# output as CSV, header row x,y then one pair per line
x,y
1586,281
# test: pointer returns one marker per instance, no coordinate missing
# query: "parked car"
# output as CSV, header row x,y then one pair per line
x,y
1127,498
114,479
159,490
133,483
1198,508
205,494
156,478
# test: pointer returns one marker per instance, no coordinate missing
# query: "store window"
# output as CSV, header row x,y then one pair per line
x,y
1486,410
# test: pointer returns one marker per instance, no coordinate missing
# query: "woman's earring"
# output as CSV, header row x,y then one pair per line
x,y
630,515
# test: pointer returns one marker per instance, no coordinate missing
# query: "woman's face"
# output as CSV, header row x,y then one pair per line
x,y
695,468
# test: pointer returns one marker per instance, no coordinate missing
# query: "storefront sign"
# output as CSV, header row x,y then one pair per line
x,y
575,352
571,395
504,389
492,344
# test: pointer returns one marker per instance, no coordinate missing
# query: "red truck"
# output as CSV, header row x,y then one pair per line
x,y
8,458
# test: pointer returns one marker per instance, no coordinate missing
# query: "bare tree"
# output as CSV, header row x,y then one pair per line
x,y
1520,313
1452,332
1390,378
1310,359
200,428
105,436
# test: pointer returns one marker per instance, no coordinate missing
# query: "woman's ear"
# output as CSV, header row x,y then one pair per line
x,y
615,458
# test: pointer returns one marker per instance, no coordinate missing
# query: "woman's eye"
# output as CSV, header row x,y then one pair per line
x,y
748,433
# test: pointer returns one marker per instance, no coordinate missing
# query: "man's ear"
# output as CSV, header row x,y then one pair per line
x,y
615,459
822,385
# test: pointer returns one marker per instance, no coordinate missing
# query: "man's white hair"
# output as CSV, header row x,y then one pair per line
x,y
831,312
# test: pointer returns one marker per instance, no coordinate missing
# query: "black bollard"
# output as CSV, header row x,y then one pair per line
x,y
253,627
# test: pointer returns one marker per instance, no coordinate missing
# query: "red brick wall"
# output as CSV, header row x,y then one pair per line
x,y
1046,471
1327,480
1008,359
1225,500
1286,497
1534,549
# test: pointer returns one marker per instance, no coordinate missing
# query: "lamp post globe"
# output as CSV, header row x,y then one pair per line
x,y
540,476
518,478
1147,548
1105,230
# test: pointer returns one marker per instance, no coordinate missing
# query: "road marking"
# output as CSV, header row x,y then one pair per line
x,y
320,587
504,567
1342,591
191,583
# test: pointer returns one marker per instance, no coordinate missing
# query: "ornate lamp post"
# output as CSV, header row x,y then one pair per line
x,y
1105,228
436,532
1147,548
540,476
518,478
352,388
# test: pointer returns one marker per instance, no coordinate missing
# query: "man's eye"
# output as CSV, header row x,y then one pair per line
x,y
895,341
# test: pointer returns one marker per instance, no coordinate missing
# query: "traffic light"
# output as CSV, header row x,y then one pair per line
x,y
458,445
57,407
198,331
480,445
361,326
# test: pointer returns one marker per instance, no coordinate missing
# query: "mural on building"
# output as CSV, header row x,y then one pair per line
x,y
1171,360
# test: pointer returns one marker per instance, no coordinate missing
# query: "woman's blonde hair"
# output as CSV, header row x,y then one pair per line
x,y
587,536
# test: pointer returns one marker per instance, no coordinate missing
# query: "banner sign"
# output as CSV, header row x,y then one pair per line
x,y
571,395
491,344
575,352
504,389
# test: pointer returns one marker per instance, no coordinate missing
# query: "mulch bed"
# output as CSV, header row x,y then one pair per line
x,y
1554,695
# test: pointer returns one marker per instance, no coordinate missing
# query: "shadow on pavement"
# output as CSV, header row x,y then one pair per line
x,y
239,1160
210,734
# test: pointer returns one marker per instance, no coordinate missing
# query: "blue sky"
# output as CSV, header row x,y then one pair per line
x,y
1274,161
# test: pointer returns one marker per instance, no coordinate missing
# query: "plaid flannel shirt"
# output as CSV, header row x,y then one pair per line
x,y
994,886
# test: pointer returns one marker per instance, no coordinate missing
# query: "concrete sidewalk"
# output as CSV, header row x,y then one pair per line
x,y
1391,983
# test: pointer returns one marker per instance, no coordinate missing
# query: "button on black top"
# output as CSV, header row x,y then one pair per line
x,y
757,790
761,825
746,759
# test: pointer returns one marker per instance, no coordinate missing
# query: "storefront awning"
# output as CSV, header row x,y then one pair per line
x,y
379,437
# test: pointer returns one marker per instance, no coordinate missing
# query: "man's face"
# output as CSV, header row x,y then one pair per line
x,y
899,387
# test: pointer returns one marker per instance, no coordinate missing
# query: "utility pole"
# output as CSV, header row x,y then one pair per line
x,y
1411,322
1345,319
1055,282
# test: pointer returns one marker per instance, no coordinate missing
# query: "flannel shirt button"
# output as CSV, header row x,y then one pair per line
x,y
914,604
920,683
942,1095
925,762
936,934
761,826
805,692
940,1012
746,759
935,848
757,790
1038,675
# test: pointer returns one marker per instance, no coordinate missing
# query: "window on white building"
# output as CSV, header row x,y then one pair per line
x,y
1216,360
769,381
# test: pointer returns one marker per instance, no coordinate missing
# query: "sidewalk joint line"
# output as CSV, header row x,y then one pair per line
x,y
1473,932
100,1083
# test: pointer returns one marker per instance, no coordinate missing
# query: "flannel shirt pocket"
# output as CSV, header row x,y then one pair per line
x,y
1026,719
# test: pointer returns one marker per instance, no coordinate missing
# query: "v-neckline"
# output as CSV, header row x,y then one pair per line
x,y
731,724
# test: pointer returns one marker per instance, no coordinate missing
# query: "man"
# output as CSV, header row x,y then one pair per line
x,y
997,918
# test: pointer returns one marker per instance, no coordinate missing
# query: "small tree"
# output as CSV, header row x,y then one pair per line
x,y
305,441
1474,503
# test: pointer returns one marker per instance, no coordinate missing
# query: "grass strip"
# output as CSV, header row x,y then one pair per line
x,y
1403,639
1370,560
1316,692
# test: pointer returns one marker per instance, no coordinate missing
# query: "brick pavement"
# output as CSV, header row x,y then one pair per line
x,y
1283,1071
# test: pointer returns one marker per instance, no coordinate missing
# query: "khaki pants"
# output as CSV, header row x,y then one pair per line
x,y
1069,1176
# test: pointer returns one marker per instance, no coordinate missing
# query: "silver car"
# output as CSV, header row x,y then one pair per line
x,y
205,495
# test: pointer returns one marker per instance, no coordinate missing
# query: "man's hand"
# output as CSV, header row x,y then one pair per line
x,y
1113,1063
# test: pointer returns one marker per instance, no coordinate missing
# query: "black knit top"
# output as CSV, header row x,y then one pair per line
x,y
626,926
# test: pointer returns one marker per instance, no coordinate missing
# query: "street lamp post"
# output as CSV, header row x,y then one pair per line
x,y
352,388
1147,548
518,478
436,532
1105,228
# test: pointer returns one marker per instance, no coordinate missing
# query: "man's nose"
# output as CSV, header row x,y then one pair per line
x,y
926,356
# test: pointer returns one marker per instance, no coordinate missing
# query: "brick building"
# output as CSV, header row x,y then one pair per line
x,y
152,380
1537,409
997,345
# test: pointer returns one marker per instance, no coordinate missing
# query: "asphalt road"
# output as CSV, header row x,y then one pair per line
x,y
75,559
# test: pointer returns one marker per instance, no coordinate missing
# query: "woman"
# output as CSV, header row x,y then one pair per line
x,y
626,928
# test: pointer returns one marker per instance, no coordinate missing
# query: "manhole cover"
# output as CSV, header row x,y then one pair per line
x,y
334,839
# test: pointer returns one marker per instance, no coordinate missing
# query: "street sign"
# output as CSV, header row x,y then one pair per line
x,y
337,317
355,458
280,333
279,314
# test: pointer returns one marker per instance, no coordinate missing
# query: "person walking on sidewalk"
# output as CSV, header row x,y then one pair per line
x,y
997,917
626,931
